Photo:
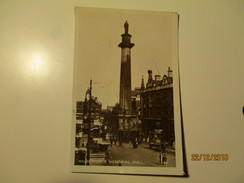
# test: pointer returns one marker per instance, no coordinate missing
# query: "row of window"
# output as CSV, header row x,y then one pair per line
x,y
166,111
157,103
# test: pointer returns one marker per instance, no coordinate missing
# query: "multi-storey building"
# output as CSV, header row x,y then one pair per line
x,y
82,110
157,109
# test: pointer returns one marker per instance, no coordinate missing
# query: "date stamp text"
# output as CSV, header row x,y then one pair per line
x,y
209,157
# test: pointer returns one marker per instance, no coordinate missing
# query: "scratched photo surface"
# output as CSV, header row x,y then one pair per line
x,y
125,91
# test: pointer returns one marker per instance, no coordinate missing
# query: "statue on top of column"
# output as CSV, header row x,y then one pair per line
x,y
126,25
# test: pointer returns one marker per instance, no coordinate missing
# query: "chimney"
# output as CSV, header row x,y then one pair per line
x,y
142,84
149,76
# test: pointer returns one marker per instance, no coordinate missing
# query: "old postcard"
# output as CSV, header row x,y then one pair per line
x,y
126,96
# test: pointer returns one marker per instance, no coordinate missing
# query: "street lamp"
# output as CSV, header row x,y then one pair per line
x,y
89,91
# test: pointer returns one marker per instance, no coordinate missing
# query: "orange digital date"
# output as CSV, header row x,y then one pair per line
x,y
209,157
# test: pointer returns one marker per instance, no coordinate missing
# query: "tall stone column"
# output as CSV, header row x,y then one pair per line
x,y
125,71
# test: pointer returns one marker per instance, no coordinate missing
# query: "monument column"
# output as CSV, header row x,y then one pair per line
x,y
125,71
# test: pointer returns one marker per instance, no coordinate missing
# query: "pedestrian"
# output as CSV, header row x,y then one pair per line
x,y
136,143
111,141
120,142
165,162
107,137
148,139
115,140
161,157
108,156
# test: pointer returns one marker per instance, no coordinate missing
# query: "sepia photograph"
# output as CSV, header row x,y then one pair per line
x,y
126,95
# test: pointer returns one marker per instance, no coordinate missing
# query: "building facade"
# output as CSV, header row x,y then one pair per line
x,y
82,121
157,108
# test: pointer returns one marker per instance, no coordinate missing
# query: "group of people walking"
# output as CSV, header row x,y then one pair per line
x,y
163,158
114,139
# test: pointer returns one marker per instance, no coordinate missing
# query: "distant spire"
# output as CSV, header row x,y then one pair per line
x,y
142,84
126,26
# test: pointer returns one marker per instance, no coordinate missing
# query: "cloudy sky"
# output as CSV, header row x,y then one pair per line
x,y
97,55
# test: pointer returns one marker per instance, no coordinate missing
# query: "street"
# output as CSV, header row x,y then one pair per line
x,y
126,155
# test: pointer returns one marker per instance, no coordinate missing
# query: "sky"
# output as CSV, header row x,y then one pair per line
x,y
98,57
